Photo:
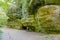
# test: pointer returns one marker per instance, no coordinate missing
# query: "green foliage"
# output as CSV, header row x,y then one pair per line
x,y
0,33
5,5
15,14
14,23
3,22
49,38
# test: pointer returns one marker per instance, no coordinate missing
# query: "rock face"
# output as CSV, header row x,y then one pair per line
x,y
40,16
49,17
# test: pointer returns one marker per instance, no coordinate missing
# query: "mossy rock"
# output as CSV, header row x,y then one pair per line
x,y
49,17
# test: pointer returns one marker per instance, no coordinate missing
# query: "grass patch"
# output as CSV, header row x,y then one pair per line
x,y
1,33
3,22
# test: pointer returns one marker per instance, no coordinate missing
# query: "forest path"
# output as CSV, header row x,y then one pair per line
x,y
13,34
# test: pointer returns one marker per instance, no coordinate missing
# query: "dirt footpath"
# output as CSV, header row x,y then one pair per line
x,y
13,34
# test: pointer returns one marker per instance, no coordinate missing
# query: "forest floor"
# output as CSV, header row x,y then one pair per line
x,y
13,34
